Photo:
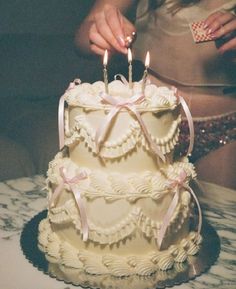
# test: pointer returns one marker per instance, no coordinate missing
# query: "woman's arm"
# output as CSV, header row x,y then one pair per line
x,y
105,27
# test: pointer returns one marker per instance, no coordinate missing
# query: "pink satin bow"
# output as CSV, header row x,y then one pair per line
x,y
72,184
61,127
117,105
176,185
189,120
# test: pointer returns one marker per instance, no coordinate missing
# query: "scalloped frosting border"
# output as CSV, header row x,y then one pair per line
x,y
131,138
143,265
88,95
80,277
133,221
116,186
112,187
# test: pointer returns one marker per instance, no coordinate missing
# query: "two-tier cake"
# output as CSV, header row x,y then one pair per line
x,y
119,202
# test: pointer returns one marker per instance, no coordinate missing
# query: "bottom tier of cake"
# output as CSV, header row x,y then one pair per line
x,y
136,223
61,252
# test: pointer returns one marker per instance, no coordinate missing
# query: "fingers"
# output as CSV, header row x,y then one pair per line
x,y
96,39
97,50
104,29
217,20
228,46
119,25
221,25
115,22
109,30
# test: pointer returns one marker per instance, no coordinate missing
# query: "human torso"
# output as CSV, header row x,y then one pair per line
x,y
174,54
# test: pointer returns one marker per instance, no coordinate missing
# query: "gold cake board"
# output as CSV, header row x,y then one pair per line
x,y
180,273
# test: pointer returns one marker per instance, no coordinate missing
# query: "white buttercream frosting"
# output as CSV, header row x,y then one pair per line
x,y
117,265
136,189
127,189
131,138
89,95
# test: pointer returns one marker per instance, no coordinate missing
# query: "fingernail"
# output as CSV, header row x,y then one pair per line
x,y
121,40
213,36
209,31
205,26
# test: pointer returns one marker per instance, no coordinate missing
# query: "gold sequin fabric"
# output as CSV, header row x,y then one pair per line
x,y
210,134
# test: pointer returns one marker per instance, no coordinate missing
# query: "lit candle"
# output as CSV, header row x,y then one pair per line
x,y
105,60
130,68
145,73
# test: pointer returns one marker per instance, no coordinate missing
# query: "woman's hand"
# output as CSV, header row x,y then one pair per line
x,y
109,30
221,25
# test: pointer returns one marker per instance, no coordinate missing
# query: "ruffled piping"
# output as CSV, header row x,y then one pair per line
x,y
115,265
130,140
135,219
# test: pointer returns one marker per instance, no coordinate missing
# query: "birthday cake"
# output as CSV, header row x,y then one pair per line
x,y
119,201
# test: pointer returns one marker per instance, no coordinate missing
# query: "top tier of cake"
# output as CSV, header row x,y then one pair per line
x,y
90,95
123,130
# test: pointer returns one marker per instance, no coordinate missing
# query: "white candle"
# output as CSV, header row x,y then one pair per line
x,y
145,73
130,68
105,60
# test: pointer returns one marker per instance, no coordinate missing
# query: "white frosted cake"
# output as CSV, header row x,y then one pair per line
x,y
118,201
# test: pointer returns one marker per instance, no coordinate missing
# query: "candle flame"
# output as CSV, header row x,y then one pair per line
x,y
129,55
105,58
147,60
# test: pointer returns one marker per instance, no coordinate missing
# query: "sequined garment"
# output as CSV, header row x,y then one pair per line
x,y
211,133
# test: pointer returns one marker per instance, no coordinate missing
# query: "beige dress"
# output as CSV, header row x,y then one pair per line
x,y
174,54
199,72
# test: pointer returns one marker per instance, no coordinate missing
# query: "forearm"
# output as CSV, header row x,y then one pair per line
x,y
82,34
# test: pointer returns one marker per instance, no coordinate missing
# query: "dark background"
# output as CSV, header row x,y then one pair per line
x,y
38,59
37,54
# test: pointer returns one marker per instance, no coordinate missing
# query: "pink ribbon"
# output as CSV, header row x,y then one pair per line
x,y
189,120
122,78
61,126
129,105
72,184
176,185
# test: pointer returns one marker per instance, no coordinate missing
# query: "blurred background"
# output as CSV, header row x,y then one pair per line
x,y
37,61
37,52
